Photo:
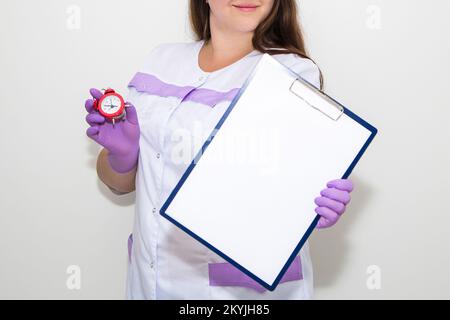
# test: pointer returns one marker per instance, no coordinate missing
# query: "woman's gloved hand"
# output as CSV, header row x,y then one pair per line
x,y
122,140
332,202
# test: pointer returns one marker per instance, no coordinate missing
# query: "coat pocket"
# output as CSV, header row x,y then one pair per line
x,y
225,274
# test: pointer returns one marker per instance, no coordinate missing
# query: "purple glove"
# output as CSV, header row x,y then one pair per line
x,y
122,140
331,204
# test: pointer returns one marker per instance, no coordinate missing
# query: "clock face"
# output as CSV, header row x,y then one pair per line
x,y
111,104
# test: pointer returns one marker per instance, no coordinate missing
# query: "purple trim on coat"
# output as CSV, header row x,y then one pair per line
x,y
210,97
130,246
148,83
225,274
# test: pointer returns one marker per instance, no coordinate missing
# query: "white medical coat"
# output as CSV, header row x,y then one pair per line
x,y
178,105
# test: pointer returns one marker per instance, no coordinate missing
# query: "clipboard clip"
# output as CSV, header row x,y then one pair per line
x,y
316,99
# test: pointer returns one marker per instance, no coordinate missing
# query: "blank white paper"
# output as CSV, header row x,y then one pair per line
x,y
251,194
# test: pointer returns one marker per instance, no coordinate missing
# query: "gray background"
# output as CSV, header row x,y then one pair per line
x,y
386,60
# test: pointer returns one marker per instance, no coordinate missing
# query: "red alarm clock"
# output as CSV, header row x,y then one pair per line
x,y
111,105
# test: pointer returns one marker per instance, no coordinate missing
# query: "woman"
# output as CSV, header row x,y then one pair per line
x,y
177,97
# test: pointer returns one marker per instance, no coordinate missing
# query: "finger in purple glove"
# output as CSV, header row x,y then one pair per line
x,y
336,194
95,93
131,114
89,105
94,118
334,205
92,132
341,184
327,217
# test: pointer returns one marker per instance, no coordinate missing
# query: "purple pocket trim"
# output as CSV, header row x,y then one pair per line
x,y
225,274
130,246
148,83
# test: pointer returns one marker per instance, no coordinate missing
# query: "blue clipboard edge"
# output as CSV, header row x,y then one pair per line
x,y
163,210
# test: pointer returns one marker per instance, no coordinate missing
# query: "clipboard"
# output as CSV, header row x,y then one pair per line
x,y
257,214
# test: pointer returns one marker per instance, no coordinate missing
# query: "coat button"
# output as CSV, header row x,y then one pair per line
x,y
154,210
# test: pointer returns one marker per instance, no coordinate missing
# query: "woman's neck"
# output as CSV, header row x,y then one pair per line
x,y
225,47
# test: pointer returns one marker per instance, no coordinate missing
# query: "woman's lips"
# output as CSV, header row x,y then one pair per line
x,y
245,8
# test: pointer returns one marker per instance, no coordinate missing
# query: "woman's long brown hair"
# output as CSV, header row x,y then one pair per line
x,y
280,29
